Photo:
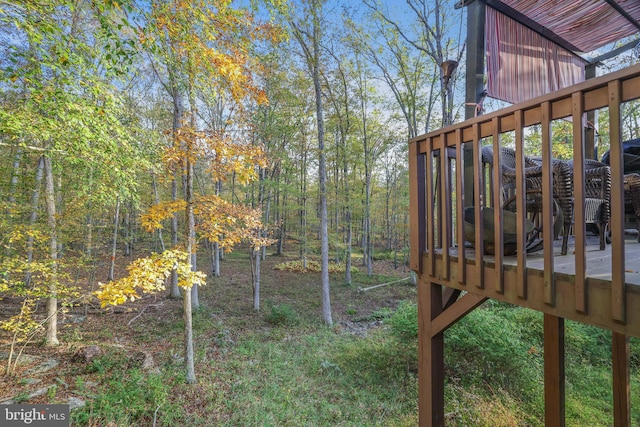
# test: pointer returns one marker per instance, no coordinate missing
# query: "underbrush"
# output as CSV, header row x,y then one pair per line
x,y
282,367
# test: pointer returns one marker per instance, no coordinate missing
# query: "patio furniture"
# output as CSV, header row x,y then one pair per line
x,y
597,186
632,198
510,230
631,156
631,168
562,192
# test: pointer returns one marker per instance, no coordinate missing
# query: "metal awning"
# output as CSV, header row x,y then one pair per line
x,y
578,26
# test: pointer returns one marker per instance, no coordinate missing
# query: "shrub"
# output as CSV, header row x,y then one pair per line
x,y
282,314
404,322
486,347
312,266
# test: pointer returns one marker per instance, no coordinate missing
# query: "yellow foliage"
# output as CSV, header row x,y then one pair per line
x,y
311,266
148,275
228,224
152,220
22,324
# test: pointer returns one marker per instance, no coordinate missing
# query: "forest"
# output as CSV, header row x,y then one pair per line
x,y
205,217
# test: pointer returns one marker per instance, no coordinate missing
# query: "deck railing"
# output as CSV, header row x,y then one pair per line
x,y
439,175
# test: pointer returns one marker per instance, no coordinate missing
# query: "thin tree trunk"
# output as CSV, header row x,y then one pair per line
x,y
127,232
367,174
157,198
35,197
178,110
256,280
174,291
322,170
114,243
303,209
188,303
188,339
51,337
14,178
215,247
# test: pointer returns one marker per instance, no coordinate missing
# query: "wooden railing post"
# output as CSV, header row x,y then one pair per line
x,y
417,206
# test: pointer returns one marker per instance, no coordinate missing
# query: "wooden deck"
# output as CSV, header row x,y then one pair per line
x,y
598,261
531,294
596,287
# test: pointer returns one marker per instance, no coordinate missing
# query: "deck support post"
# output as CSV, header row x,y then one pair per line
x,y
430,357
474,83
438,308
591,71
621,380
554,384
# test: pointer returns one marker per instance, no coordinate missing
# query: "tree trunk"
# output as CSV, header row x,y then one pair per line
x,y
215,259
127,232
51,337
188,303
35,197
215,247
188,340
178,111
174,291
366,244
322,171
157,199
114,243
256,280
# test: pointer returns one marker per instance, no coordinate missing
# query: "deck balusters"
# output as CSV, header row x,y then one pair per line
x,y
460,205
617,203
579,224
521,207
478,202
547,205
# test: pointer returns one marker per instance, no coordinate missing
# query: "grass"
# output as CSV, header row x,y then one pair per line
x,y
282,367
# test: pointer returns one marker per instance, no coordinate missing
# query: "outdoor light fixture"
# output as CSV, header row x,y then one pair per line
x,y
448,68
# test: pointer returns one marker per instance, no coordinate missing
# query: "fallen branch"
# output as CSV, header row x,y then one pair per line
x,y
383,284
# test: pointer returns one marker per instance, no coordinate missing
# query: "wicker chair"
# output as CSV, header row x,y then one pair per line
x,y
631,165
632,198
597,185
562,189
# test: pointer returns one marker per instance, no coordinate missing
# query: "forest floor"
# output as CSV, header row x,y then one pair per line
x,y
145,337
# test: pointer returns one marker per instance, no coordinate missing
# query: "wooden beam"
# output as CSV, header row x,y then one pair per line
x,y
460,205
521,205
533,25
554,384
579,225
449,296
478,190
618,300
430,357
455,312
547,205
474,84
623,13
621,380
496,200
430,212
417,206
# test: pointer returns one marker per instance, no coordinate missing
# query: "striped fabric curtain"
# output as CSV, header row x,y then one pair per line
x,y
521,64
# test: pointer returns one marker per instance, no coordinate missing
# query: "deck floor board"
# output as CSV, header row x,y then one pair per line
x,y
598,261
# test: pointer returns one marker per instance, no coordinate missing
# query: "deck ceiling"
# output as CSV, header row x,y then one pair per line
x,y
577,25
